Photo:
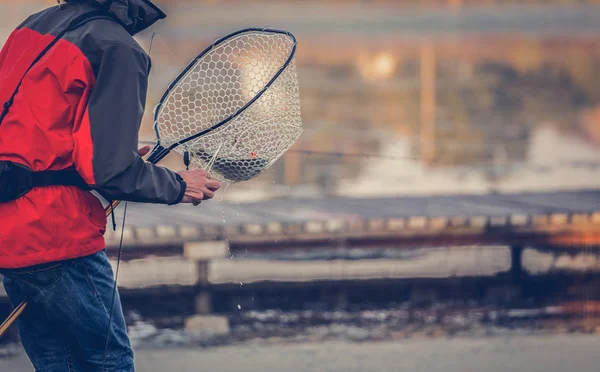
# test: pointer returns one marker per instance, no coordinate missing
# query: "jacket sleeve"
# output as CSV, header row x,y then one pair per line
x,y
114,113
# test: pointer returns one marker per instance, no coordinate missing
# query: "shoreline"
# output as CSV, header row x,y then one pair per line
x,y
491,354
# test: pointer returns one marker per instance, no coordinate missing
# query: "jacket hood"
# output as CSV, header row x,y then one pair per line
x,y
135,15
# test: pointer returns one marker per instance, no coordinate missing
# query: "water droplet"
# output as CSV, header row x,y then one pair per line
x,y
224,220
275,240
239,307
241,284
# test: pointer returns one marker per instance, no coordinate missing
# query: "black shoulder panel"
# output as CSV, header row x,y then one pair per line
x,y
92,38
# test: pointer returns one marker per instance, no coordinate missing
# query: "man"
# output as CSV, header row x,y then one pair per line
x,y
76,108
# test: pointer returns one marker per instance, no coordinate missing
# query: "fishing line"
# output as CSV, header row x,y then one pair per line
x,y
119,254
159,39
344,155
114,290
151,41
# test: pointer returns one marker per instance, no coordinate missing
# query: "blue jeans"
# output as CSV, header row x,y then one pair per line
x,y
65,325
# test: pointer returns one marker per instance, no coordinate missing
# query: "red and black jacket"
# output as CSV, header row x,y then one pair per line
x,y
79,106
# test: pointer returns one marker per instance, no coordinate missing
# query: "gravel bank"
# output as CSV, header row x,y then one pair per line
x,y
558,353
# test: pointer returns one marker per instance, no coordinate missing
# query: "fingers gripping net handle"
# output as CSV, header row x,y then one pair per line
x,y
236,107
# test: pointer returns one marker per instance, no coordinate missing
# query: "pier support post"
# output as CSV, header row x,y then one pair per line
x,y
341,301
203,302
202,253
516,261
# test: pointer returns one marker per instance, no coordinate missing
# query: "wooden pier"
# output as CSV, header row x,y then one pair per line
x,y
547,221
222,244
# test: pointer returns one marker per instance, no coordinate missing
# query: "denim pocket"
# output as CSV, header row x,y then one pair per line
x,y
41,278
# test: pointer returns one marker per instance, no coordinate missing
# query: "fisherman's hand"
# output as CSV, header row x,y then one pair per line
x,y
144,150
199,186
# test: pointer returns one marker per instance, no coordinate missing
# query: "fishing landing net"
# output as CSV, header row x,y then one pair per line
x,y
235,109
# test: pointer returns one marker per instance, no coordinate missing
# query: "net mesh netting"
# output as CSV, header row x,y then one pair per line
x,y
221,83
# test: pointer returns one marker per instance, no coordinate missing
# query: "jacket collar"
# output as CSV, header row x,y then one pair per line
x,y
134,15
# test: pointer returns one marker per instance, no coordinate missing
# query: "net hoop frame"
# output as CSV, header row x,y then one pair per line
x,y
162,152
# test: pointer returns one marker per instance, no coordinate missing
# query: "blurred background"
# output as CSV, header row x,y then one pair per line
x,y
441,211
